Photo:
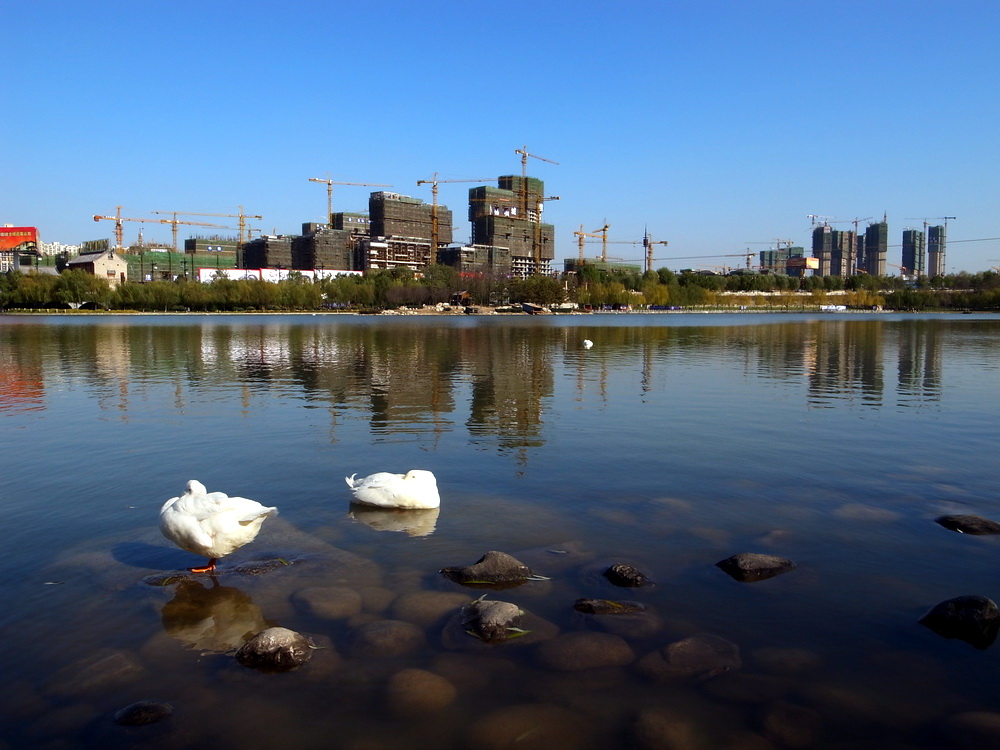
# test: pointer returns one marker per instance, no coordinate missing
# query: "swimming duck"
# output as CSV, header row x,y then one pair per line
x,y
587,343
415,489
211,523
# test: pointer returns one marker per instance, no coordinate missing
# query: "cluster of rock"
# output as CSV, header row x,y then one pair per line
x,y
489,622
972,618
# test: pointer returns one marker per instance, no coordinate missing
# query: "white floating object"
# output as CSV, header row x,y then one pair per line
x,y
415,489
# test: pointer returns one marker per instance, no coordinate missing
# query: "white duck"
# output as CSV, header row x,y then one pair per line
x,y
587,343
211,523
415,489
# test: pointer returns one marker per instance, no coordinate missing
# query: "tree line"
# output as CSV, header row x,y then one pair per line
x,y
596,287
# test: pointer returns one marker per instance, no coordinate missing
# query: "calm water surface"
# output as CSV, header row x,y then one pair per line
x,y
676,441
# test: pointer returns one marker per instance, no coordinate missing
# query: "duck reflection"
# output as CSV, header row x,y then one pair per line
x,y
415,522
216,618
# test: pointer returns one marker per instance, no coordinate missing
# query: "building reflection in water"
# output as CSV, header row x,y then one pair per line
x,y
417,380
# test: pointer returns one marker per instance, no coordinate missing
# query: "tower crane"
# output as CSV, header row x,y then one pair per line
x,y
927,219
329,191
817,219
434,201
242,217
118,219
648,242
601,233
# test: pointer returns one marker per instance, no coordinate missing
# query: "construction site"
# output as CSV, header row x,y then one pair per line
x,y
508,238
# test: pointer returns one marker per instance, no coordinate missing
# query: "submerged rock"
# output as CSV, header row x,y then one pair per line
x,y
384,638
491,621
492,568
412,693
143,712
698,657
748,567
607,607
624,575
275,650
967,524
577,651
973,619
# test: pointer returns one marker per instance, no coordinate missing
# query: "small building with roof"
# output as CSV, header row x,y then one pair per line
x,y
106,264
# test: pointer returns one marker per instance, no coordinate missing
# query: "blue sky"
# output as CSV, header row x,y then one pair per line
x,y
720,126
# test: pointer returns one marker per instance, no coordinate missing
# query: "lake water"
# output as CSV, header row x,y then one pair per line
x,y
676,441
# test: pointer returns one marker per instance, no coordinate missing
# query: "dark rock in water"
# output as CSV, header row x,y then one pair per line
x,y
607,607
248,568
625,575
964,524
385,638
260,567
143,712
491,621
492,568
574,652
748,567
973,619
699,657
275,650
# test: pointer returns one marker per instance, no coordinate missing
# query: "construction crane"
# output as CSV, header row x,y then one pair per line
x,y
601,234
855,221
927,221
817,219
242,217
434,201
648,242
119,231
175,221
329,191
536,243
902,270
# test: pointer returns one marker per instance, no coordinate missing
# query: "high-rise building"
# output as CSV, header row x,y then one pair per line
x,y
401,232
821,248
509,216
914,252
320,247
843,253
876,247
936,242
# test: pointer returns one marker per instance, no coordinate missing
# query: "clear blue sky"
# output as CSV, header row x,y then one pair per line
x,y
715,124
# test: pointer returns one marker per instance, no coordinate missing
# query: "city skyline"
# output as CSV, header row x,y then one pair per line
x,y
716,127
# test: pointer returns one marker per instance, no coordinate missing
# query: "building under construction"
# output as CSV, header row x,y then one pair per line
x,y
872,251
477,259
835,250
776,261
509,216
401,232
914,252
508,236
269,251
936,242
320,247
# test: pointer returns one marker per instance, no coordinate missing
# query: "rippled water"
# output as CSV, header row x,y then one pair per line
x,y
676,441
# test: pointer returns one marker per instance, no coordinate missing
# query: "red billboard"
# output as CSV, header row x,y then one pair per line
x,y
18,239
